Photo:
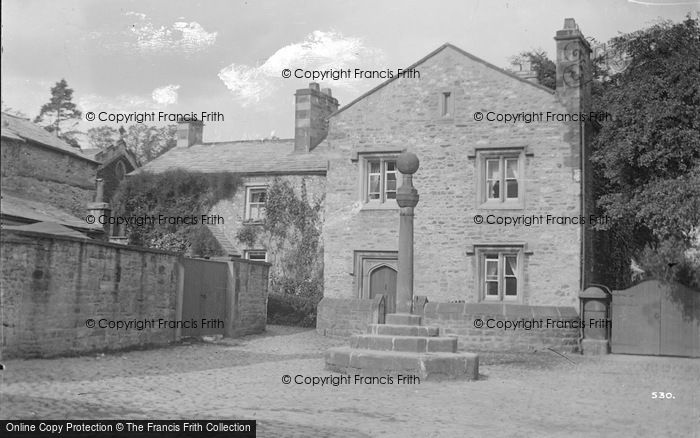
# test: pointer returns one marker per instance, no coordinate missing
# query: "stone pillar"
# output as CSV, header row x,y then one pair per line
x,y
407,198
99,207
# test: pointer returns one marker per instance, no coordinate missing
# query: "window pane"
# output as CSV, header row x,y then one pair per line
x,y
511,265
492,288
373,187
512,189
492,170
511,168
494,190
374,167
491,268
391,166
511,286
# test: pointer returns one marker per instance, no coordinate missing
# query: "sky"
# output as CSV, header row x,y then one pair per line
x,y
183,57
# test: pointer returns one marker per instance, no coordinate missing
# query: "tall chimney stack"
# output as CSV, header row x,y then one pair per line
x,y
313,107
189,133
573,68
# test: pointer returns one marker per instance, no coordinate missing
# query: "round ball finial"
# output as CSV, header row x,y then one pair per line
x,y
407,163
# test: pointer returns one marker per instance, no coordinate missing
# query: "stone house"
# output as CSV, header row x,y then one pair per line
x,y
534,168
44,179
472,169
258,162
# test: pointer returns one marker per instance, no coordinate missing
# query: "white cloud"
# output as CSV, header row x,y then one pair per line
x,y
319,51
248,84
179,36
166,95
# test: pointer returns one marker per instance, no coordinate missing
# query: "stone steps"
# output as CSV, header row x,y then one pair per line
x,y
402,330
415,344
428,366
403,347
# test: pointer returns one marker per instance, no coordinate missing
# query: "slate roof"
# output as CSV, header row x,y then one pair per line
x,y
47,228
17,128
246,157
41,212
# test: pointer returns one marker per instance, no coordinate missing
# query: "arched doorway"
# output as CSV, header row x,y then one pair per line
x,y
382,280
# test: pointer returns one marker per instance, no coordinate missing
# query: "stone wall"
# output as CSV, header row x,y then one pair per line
x,y
249,286
405,115
340,317
41,174
52,285
549,326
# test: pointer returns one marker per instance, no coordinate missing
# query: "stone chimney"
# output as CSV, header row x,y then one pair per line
x,y
313,107
189,133
523,69
573,68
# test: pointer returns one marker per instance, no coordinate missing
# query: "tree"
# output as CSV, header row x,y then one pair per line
x,y
58,110
647,156
102,136
148,142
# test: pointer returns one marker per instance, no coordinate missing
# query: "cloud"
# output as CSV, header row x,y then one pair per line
x,y
166,95
318,51
146,37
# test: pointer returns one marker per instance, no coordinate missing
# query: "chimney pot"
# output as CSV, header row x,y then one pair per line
x,y
314,86
327,92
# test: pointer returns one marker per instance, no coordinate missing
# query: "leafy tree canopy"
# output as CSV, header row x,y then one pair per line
x,y
647,158
60,114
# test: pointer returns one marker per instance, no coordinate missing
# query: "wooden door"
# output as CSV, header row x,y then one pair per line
x,y
382,280
204,297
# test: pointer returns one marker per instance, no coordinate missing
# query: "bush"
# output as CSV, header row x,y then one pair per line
x,y
291,310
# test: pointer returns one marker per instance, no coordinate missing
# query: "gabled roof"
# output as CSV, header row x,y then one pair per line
x,y
244,157
17,128
111,153
34,211
430,55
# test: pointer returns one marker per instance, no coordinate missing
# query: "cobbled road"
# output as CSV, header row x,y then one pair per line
x,y
518,395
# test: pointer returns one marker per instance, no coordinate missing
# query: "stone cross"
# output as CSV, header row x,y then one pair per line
x,y
407,198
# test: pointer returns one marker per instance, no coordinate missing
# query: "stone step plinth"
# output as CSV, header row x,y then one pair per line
x,y
403,319
427,366
402,330
415,344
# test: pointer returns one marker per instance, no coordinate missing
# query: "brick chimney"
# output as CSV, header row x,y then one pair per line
x,y
189,133
313,107
573,67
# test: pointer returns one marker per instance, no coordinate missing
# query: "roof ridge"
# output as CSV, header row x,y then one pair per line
x,y
430,55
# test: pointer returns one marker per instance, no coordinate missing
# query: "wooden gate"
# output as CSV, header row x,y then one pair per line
x,y
204,297
656,318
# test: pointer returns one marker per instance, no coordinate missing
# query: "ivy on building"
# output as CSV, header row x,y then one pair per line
x,y
291,232
173,194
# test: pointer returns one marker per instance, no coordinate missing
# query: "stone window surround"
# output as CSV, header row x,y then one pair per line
x,y
248,189
480,155
366,261
479,251
450,95
362,158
